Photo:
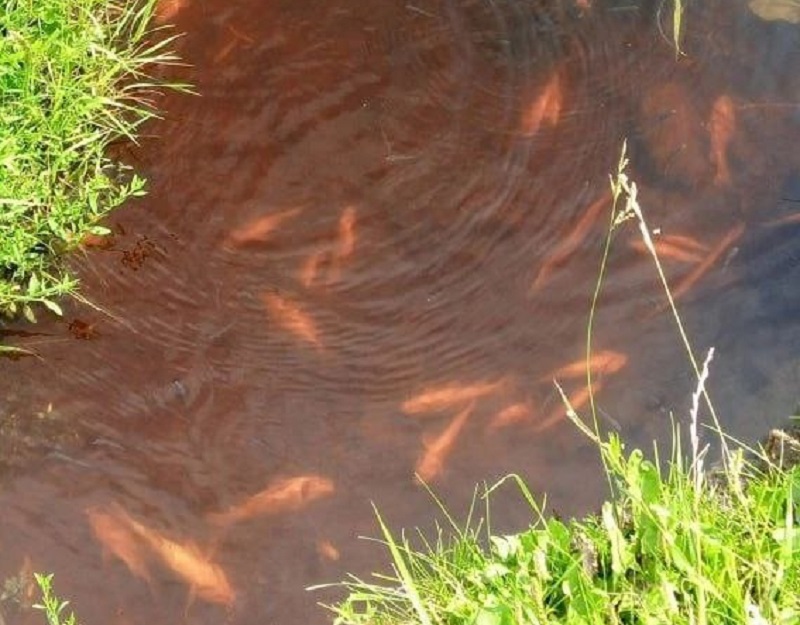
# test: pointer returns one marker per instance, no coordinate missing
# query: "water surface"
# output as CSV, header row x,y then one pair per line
x,y
372,236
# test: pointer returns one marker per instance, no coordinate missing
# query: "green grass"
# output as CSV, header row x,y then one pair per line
x,y
677,545
74,78
53,607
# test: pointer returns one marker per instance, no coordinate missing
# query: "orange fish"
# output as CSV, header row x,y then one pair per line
x,y
240,35
185,559
577,400
511,414
569,244
327,550
788,219
237,38
167,10
117,538
431,463
308,274
292,318
721,127
225,51
347,232
665,250
684,241
347,241
666,247
445,396
260,229
713,256
545,108
286,495
603,362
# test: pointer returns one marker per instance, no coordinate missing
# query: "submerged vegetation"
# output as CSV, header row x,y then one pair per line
x,y
681,544
73,80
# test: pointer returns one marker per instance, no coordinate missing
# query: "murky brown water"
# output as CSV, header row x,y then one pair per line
x,y
368,245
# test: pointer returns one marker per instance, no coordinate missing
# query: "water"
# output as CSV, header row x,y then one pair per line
x,y
371,229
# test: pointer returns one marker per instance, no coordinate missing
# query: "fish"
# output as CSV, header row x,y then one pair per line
x,y
240,35
347,233
665,250
346,242
721,126
284,495
308,274
436,450
684,241
577,400
292,318
787,219
167,10
545,108
117,538
185,559
225,51
708,262
441,397
602,362
510,415
571,242
259,230
327,550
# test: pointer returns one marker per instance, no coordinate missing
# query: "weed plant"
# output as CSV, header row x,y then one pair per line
x,y
74,78
53,607
684,545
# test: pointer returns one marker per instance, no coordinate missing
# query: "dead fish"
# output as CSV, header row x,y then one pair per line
x,y
259,230
721,127
286,495
205,578
431,463
292,318
708,262
445,396
570,243
117,538
510,415
577,400
602,362
545,108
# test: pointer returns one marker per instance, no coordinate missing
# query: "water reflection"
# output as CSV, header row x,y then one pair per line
x,y
369,246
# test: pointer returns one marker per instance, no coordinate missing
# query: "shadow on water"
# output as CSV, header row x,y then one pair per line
x,y
369,245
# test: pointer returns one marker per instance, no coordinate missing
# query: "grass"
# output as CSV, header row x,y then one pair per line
x,y
685,544
74,78
53,607
676,25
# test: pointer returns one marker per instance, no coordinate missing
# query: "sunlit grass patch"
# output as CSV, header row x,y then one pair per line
x,y
659,551
73,79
